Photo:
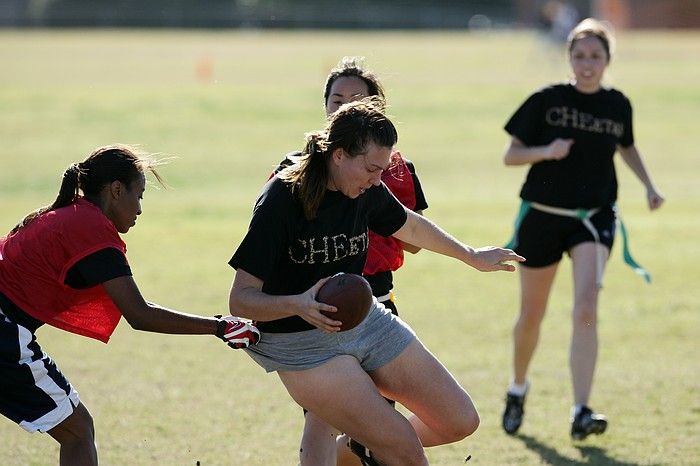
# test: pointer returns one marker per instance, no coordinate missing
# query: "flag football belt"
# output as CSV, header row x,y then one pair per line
x,y
387,297
584,215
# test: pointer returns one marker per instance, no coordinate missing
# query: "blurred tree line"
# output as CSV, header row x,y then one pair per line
x,y
259,13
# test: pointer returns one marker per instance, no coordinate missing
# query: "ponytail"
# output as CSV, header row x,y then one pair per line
x,y
67,193
70,186
309,176
104,165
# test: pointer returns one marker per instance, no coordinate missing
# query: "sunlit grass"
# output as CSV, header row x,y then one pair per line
x,y
177,400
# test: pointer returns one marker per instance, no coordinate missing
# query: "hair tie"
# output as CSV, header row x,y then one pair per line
x,y
72,168
73,172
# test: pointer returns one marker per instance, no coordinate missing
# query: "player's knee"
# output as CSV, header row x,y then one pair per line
x,y
470,423
78,428
465,426
87,424
457,427
585,313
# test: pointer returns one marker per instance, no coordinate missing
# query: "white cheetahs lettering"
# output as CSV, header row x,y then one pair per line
x,y
327,249
566,117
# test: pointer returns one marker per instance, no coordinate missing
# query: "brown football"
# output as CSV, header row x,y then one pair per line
x,y
350,294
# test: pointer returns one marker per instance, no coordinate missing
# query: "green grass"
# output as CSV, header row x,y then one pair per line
x,y
178,400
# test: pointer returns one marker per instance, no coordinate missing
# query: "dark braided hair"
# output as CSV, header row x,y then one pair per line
x,y
104,165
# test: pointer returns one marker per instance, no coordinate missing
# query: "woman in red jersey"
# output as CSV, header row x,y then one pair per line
x,y
65,265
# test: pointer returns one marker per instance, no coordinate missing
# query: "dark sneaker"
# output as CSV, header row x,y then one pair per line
x,y
513,414
363,453
586,422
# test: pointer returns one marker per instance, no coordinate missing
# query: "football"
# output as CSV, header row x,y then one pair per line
x,y
350,294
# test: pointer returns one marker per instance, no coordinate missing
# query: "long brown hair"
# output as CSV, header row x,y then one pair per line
x,y
104,165
353,127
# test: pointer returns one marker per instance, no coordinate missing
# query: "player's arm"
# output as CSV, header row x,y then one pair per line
x,y
408,247
633,159
517,153
247,299
150,317
424,233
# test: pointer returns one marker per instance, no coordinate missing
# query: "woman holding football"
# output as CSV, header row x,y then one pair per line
x,y
310,222
347,82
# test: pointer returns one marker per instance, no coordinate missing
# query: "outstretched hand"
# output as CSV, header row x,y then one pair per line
x,y
237,333
491,259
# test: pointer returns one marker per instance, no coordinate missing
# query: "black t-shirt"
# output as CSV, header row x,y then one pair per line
x,y
91,270
290,254
98,267
383,282
598,123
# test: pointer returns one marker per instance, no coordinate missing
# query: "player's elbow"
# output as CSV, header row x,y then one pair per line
x,y
513,152
138,316
233,303
508,159
237,302
138,323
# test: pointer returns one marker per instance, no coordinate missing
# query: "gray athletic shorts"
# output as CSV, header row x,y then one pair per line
x,y
378,339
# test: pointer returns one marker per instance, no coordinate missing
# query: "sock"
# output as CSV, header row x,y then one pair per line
x,y
518,389
575,410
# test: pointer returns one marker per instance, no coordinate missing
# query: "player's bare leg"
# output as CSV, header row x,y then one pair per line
x,y
535,286
318,442
584,339
361,412
76,435
583,354
443,411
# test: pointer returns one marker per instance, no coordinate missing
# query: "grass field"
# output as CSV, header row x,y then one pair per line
x,y
164,400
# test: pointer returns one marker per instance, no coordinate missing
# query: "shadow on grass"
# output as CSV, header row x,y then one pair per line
x,y
592,455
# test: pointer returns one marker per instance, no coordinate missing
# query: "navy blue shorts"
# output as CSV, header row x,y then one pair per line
x,y
33,392
543,238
